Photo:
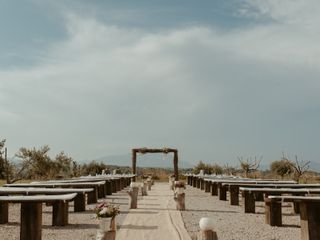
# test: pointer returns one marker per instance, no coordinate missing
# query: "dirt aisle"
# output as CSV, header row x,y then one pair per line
x,y
155,218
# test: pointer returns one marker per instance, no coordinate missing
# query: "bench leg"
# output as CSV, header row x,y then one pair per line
x,y
222,190
310,220
114,187
207,186
249,202
60,213
259,196
31,221
109,188
93,196
214,189
234,195
101,191
4,209
273,214
80,202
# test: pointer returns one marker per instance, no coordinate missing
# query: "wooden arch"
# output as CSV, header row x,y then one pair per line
x,y
156,150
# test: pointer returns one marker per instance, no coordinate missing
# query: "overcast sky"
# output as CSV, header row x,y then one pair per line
x,y
214,79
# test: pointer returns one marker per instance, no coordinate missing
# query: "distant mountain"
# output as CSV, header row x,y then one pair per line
x,y
146,160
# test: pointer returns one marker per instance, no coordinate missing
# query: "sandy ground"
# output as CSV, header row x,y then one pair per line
x,y
231,221
156,218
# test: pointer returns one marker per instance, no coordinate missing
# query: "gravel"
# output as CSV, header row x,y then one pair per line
x,y
232,223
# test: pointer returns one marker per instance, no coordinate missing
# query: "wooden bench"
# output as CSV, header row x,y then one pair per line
x,y
31,212
248,195
220,187
79,200
92,196
234,189
309,214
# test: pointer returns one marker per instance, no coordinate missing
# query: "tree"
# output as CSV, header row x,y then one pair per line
x,y
216,169
282,167
249,165
62,165
36,163
300,168
202,166
229,170
3,164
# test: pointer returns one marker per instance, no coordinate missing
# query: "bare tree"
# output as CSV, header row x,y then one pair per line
x,y
249,165
229,170
300,168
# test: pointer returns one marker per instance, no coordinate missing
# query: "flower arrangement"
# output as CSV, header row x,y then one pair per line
x,y
106,210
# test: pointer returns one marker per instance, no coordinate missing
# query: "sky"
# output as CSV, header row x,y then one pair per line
x,y
216,79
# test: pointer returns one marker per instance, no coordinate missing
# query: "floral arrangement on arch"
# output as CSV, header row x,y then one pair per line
x,y
106,210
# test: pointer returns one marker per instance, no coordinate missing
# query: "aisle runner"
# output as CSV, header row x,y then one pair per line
x,y
155,218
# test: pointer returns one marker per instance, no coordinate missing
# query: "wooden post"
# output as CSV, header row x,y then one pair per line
x,y
214,189
108,187
93,196
198,182
134,163
207,186
234,194
202,184
194,181
4,212
80,202
31,221
273,215
133,193
113,184
175,165
296,205
101,191
310,220
207,230
258,196
60,213
149,183
144,189
117,184
222,191
249,202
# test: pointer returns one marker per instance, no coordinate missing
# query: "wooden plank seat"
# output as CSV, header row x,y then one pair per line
x,y
92,196
31,212
309,214
79,200
220,187
101,187
234,188
249,199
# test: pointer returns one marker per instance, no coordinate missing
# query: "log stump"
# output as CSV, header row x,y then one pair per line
x,y
144,189
31,221
149,184
207,229
180,201
133,194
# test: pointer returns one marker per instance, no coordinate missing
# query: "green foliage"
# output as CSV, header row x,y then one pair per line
x,y
282,167
207,168
93,168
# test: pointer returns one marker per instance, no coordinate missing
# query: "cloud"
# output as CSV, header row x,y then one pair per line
x,y
212,94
